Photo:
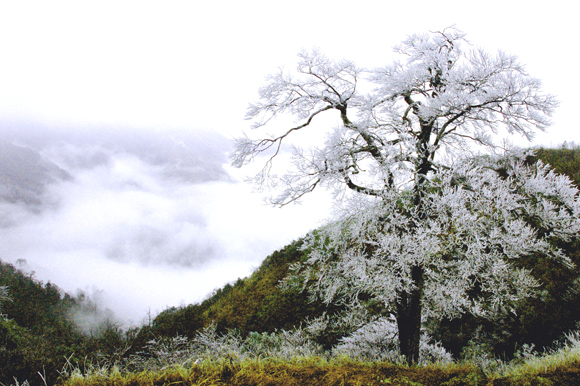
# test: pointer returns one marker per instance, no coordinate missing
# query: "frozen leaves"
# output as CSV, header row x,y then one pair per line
x,y
476,223
377,341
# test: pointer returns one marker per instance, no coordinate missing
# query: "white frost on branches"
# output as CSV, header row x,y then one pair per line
x,y
422,234
208,345
440,97
377,341
475,226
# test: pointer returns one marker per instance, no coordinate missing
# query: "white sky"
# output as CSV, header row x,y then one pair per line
x,y
192,65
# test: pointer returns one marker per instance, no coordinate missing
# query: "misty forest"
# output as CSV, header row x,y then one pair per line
x,y
451,256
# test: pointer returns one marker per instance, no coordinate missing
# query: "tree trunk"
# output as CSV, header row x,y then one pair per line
x,y
409,304
409,318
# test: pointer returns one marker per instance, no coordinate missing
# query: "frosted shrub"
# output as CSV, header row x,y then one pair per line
x,y
262,344
374,341
181,351
573,340
343,323
283,344
565,354
430,351
378,340
209,345
525,353
162,353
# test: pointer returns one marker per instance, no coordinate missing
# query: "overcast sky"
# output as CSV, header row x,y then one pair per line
x,y
73,73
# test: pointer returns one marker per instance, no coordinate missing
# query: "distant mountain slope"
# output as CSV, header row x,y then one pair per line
x,y
36,333
254,303
564,160
24,174
29,162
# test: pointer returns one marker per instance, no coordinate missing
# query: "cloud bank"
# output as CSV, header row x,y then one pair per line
x,y
148,219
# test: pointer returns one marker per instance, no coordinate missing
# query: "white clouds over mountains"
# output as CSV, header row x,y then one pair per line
x,y
153,219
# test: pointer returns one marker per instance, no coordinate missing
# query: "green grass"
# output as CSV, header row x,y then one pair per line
x,y
311,371
561,367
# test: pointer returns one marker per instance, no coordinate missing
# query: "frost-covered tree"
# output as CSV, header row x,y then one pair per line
x,y
421,234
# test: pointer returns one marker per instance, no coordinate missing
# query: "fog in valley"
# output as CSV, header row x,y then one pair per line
x,y
139,220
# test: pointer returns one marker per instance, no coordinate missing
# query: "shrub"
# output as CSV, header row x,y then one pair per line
x,y
378,341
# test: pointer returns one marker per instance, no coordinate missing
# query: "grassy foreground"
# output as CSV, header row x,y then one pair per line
x,y
316,371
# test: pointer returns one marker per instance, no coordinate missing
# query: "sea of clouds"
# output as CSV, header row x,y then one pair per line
x,y
140,220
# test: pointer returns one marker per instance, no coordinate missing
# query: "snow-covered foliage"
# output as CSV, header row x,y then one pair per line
x,y
209,345
474,227
441,97
283,344
425,231
377,341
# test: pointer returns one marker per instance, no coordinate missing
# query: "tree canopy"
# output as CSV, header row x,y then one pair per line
x,y
427,230
440,98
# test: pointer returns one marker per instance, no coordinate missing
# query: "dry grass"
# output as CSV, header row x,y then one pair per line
x,y
560,367
312,371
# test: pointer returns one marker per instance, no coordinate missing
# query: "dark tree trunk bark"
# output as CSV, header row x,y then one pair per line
x,y
409,318
409,304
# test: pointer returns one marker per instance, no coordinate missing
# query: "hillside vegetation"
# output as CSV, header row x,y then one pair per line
x,y
37,334
40,343
256,303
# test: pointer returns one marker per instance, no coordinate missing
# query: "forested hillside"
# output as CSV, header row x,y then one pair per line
x,y
250,304
37,333
564,160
